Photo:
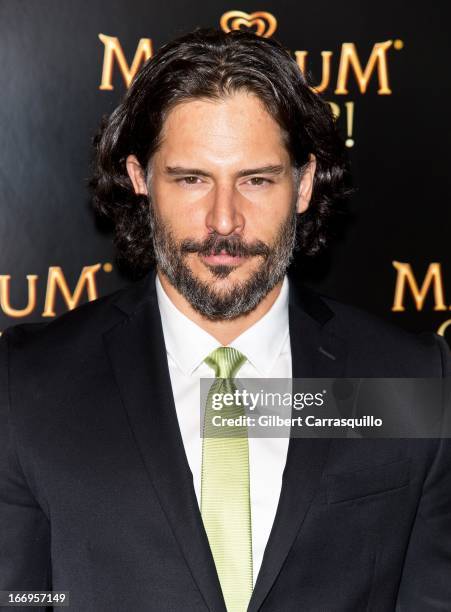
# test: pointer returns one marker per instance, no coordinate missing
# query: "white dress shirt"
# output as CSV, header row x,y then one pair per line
x,y
266,344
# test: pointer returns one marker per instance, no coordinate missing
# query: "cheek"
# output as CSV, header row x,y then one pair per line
x,y
266,197
184,219
268,209
265,219
183,209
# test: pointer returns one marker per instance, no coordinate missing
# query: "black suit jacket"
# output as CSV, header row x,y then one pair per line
x,y
97,498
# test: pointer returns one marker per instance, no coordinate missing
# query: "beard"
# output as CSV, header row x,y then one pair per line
x,y
243,296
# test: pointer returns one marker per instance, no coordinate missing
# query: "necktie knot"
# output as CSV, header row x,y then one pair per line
x,y
225,361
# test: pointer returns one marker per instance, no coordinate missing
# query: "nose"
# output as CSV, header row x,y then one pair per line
x,y
224,214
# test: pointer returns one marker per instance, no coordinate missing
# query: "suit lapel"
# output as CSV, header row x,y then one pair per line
x,y
316,353
137,354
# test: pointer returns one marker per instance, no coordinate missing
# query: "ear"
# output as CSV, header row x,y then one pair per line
x,y
306,185
136,174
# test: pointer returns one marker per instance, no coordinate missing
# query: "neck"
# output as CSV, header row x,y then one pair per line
x,y
224,331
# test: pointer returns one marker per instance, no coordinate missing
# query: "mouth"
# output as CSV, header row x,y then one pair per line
x,y
222,259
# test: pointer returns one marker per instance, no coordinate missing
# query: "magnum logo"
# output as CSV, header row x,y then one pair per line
x,y
113,51
432,285
56,283
265,24
349,69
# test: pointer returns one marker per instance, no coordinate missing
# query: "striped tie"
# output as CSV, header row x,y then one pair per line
x,y
225,494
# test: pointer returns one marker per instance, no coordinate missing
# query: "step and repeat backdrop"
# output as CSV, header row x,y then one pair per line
x,y
382,66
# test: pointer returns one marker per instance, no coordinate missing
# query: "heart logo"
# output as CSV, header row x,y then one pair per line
x,y
264,22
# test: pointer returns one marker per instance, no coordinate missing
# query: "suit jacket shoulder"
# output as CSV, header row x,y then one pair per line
x,y
374,344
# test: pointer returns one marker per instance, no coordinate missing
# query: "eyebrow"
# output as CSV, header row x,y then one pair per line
x,y
269,169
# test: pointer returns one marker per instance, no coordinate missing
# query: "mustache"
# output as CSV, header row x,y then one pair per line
x,y
234,246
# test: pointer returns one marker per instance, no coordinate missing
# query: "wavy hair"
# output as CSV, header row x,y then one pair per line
x,y
209,63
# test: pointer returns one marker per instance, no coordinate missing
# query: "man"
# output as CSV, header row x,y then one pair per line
x,y
217,164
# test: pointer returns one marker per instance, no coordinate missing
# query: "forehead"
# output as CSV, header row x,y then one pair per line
x,y
226,131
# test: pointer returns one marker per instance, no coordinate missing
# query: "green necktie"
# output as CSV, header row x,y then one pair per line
x,y
225,494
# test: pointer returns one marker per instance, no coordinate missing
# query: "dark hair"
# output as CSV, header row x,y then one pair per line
x,y
209,63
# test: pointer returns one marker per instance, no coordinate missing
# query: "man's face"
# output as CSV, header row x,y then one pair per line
x,y
223,198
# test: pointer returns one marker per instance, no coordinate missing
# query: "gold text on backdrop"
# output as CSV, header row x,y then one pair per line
x,y
433,281
264,24
56,283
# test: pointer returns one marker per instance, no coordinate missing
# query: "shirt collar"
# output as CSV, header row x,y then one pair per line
x,y
188,344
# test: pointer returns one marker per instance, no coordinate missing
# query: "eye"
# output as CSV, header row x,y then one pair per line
x,y
259,181
188,180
